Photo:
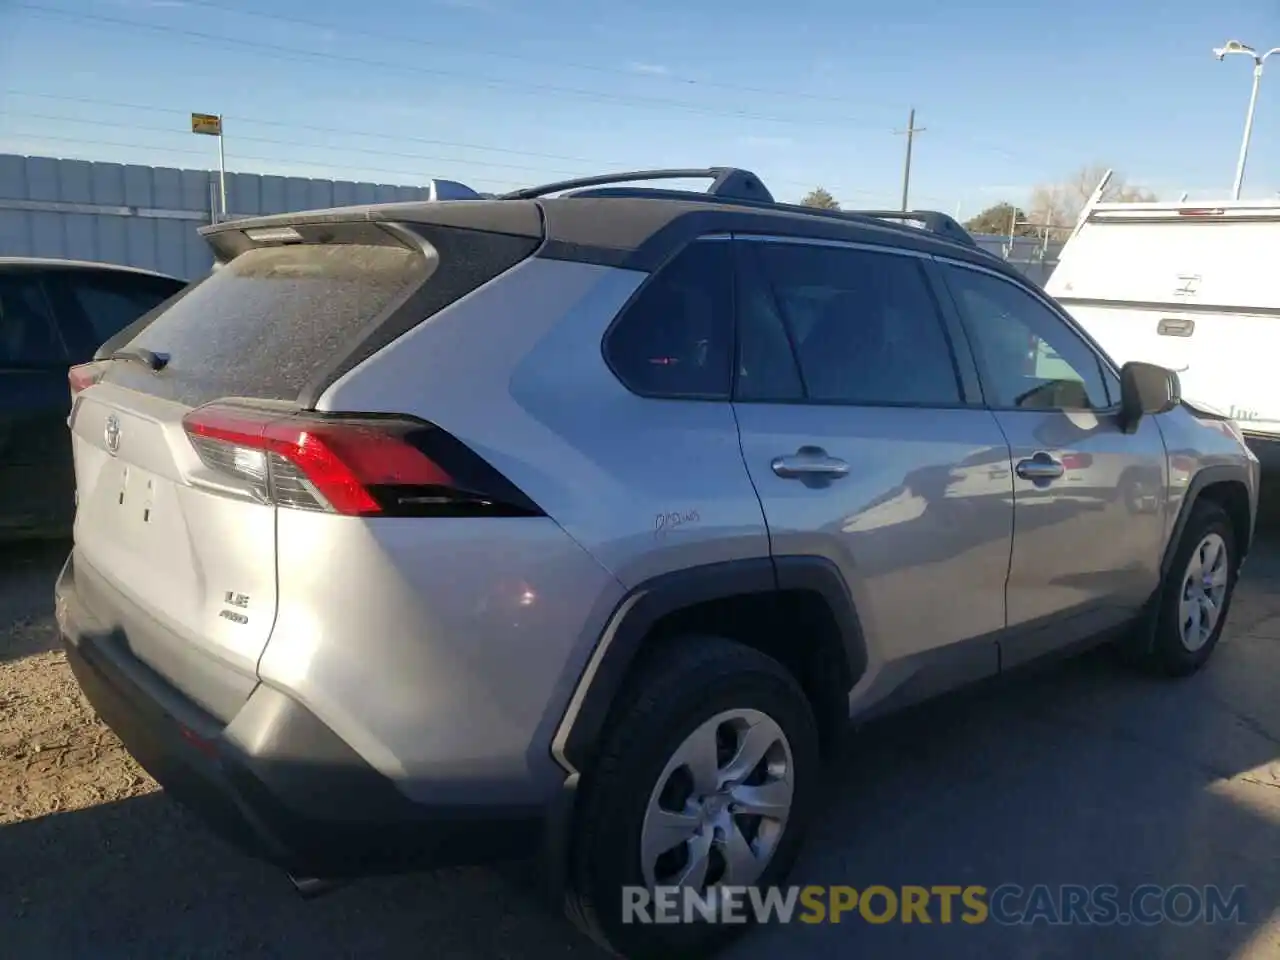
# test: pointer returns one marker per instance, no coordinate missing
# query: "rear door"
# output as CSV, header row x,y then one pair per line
x,y
179,527
36,489
859,434
1089,519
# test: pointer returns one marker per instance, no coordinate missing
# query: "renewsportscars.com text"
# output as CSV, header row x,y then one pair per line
x,y
1007,904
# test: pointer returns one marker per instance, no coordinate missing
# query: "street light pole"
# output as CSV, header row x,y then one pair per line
x,y
1235,46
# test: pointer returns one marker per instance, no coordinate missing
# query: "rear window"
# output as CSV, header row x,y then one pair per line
x,y
269,321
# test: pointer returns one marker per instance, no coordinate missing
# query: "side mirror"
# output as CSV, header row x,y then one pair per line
x,y
1146,389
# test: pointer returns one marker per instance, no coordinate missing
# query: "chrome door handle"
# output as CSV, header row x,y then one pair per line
x,y
809,462
1040,467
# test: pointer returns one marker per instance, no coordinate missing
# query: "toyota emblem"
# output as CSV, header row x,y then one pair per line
x,y
111,434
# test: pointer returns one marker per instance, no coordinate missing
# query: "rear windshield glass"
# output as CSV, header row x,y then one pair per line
x,y
266,323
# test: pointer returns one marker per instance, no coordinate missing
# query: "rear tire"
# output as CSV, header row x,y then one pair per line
x,y
701,691
1196,594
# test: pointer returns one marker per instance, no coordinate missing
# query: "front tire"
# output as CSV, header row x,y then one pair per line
x,y
1196,595
706,776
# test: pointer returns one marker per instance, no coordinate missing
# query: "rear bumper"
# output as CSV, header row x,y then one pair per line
x,y
275,781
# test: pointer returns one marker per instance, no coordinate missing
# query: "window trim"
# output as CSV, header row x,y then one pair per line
x,y
967,399
625,311
1100,357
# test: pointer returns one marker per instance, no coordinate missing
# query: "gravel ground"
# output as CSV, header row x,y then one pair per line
x,y
1081,773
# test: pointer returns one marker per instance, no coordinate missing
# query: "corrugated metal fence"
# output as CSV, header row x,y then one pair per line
x,y
147,216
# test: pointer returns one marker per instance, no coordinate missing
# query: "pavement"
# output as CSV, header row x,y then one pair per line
x,y
1081,773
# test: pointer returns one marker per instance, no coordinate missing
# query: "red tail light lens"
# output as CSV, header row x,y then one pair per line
x,y
355,466
83,376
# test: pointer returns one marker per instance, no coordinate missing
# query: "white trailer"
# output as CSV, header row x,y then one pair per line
x,y
1194,287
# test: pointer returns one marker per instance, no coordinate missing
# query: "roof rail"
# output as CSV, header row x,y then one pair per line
x,y
930,220
735,185
728,183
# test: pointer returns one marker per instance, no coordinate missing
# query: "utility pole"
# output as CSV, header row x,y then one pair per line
x,y
911,132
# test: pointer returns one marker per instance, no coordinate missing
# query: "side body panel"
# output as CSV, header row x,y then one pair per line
x,y
633,487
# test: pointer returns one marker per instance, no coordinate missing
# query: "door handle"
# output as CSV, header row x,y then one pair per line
x,y
809,462
1040,467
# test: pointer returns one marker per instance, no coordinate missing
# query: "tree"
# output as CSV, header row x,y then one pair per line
x,y
821,198
1059,204
997,220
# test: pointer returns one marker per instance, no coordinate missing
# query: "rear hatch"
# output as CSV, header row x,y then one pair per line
x,y
187,444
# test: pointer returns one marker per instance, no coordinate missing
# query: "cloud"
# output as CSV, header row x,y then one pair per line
x,y
649,69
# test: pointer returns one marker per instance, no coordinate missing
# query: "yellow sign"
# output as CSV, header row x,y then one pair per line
x,y
206,123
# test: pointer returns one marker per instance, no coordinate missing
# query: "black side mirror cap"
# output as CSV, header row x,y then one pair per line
x,y
1146,388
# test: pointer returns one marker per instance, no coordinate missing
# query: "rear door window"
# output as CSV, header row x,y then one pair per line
x,y
862,327
28,334
675,339
265,324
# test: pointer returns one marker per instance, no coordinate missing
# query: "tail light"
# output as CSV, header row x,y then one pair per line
x,y
84,375
351,465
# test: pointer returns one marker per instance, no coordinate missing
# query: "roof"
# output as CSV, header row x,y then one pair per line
x,y
630,232
82,265
635,228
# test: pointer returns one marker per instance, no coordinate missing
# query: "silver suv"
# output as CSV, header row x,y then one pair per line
x,y
579,522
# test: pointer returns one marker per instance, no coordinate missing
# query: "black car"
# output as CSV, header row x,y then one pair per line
x,y
53,314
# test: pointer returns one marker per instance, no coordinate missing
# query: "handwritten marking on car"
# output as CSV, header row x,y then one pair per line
x,y
665,523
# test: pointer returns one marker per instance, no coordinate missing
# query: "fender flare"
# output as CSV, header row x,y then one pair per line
x,y
582,724
1204,477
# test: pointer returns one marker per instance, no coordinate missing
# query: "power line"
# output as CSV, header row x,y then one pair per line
x,y
292,125
40,137
294,143
304,56
592,165
521,86
515,57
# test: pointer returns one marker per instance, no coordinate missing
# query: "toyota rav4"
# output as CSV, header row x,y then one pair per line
x,y
578,523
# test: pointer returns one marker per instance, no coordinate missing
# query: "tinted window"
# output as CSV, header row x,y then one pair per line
x,y
266,323
28,336
676,337
864,325
1028,356
110,304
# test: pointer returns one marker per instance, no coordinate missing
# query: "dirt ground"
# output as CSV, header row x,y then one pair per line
x,y
54,754
1081,774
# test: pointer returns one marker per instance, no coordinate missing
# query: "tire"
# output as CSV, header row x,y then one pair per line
x,y
1174,651
695,680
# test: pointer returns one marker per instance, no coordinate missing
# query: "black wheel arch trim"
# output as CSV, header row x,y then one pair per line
x,y
578,734
1205,477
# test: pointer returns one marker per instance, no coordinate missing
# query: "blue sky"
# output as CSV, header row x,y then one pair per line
x,y
502,93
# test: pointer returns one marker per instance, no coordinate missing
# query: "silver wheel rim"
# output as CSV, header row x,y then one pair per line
x,y
1204,589
721,806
